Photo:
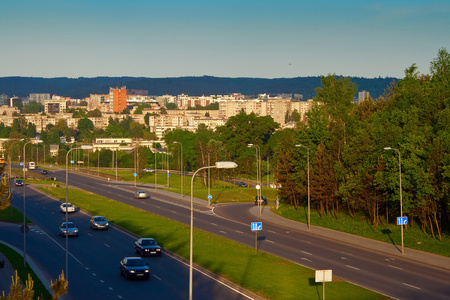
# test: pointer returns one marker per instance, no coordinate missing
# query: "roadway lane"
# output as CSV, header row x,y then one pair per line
x,y
399,278
95,255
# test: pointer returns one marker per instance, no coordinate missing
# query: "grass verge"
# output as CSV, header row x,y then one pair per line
x,y
269,276
412,237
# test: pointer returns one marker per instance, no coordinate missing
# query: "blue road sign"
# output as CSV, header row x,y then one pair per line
x,y
134,174
209,196
402,220
256,226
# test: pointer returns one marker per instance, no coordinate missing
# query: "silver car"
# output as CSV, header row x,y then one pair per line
x,y
141,195
70,230
98,222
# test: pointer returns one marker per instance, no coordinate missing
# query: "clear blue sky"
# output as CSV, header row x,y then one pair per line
x,y
232,38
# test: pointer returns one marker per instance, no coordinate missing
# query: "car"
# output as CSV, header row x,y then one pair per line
x,y
242,184
98,222
70,230
148,170
147,246
44,172
262,200
141,195
134,267
19,182
66,208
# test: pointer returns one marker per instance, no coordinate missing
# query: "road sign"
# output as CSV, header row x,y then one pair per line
x,y
402,220
258,187
134,174
71,161
209,197
256,226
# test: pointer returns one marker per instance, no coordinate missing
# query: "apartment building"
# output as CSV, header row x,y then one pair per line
x,y
39,98
118,97
56,105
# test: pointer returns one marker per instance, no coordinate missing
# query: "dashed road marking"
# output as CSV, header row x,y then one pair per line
x,y
306,252
351,267
412,286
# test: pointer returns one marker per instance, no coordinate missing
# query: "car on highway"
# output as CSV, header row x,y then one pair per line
x,y
19,182
44,172
98,223
260,201
147,246
148,170
134,267
141,195
242,184
67,208
70,230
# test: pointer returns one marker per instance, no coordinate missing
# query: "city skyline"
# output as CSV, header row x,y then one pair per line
x,y
261,39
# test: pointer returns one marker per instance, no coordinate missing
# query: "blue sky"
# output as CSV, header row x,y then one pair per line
x,y
246,38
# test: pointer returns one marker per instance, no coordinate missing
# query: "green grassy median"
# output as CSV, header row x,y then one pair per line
x,y
269,276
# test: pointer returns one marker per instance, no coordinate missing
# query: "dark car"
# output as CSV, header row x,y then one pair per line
x,y
242,184
44,172
19,182
72,229
134,267
147,246
262,200
98,222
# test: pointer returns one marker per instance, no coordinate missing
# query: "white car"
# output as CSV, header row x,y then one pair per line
x,y
141,195
68,208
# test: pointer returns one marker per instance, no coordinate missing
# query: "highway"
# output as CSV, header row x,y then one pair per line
x,y
394,277
95,255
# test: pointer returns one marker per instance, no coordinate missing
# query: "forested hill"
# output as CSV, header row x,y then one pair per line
x,y
194,86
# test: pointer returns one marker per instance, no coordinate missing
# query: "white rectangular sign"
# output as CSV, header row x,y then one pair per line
x,y
323,276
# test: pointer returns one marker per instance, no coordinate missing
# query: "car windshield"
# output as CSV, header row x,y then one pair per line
x,y
136,262
148,242
98,219
141,192
69,225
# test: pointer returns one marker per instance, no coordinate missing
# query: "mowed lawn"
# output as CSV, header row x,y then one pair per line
x,y
269,276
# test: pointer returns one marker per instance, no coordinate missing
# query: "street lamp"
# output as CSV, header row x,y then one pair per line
x,y
181,168
218,165
24,203
258,175
309,195
9,175
83,147
400,176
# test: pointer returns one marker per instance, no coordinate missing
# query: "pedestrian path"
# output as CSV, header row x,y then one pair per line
x,y
267,215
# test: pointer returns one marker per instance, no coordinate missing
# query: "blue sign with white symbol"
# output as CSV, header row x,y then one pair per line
x,y
402,221
71,161
256,226
209,197
21,163
134,174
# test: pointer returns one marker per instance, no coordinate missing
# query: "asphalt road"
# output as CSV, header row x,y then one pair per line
x,y
392,276
94,257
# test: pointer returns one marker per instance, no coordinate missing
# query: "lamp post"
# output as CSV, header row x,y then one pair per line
x,y
258,175
218,165
181,168
156,167
400,177
83,147
9,175
24,203
309,194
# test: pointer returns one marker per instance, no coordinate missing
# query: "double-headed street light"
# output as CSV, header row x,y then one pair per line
x,y
218,165
83,147
309,195
400,176
258,175
24,203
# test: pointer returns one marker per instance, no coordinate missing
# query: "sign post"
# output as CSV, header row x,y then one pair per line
x,y
324,276
256,226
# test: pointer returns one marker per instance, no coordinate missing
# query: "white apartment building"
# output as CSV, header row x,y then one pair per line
x,y
55,106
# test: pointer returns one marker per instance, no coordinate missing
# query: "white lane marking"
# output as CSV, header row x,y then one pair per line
x,y
214,224
89,234
110,288
157,206
270,241
306,259
351,267
306,252
156,277
395,267
102,281
107,245
174,211
344,258
120,297
414,287
308,242
224,232
93,274
271,231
